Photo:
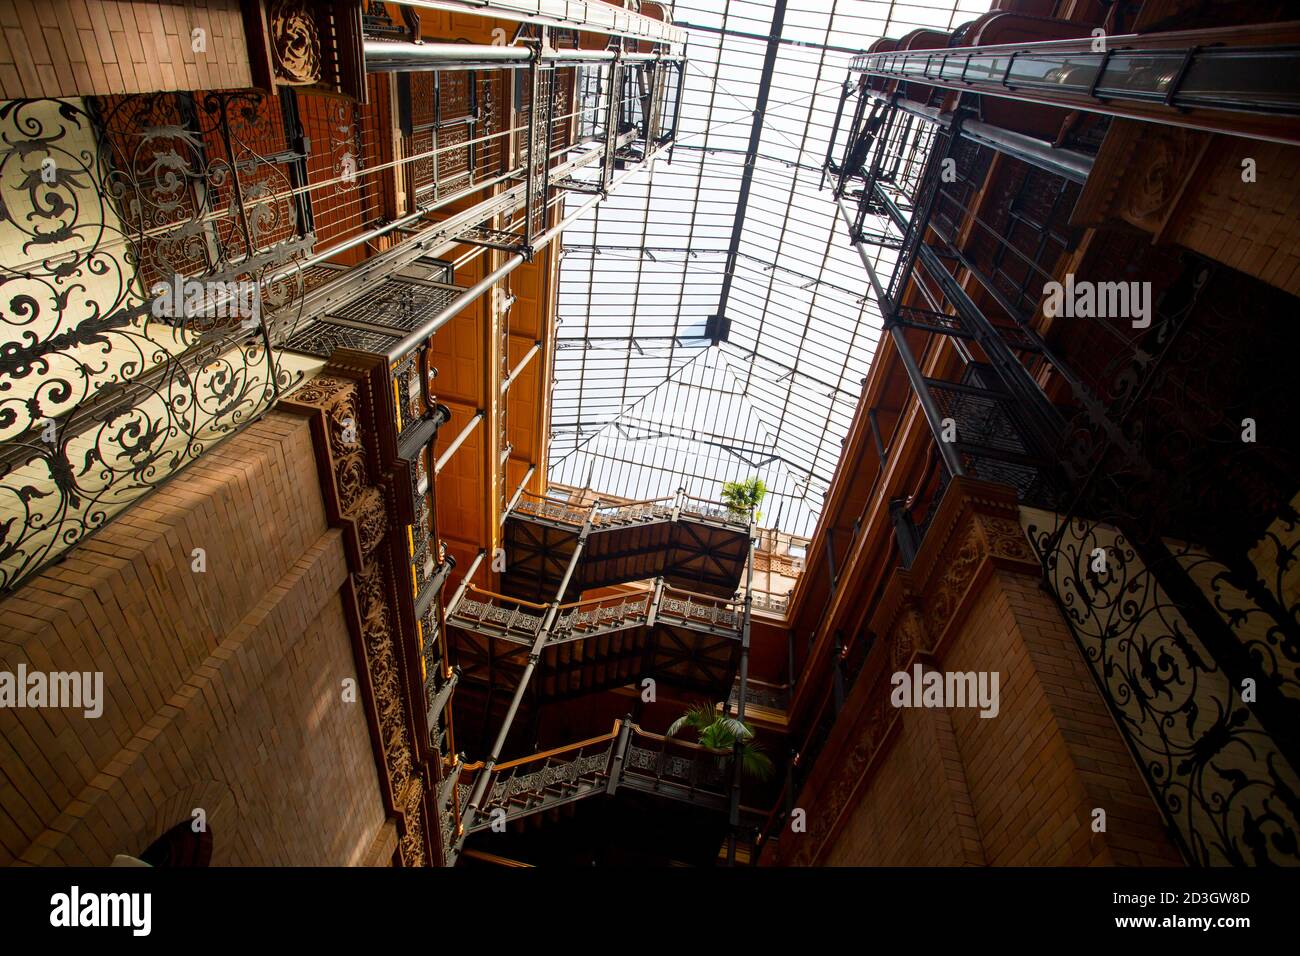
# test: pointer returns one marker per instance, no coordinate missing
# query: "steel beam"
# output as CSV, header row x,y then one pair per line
x,y
751,154
459,440
1068,163
733,808
1240,80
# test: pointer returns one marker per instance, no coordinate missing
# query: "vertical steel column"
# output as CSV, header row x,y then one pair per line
x,y
881,453
620,754
733,813
514,499
459,440
534,92
464,581
612,116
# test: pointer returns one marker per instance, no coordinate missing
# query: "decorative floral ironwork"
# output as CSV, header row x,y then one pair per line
x,y
295,42
497,614
1215,772
704,770
1158,435
561,778
600,618
101,399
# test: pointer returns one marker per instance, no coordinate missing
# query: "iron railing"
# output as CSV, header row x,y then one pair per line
x,y
625,757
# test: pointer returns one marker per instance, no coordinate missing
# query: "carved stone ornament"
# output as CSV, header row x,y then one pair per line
x,y
1165,157
346,426
295,42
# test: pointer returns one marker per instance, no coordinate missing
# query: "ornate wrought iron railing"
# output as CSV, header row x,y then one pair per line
x,y
621,514
638,512
1194,646
1217,774
543,781
760,694
775,602
702,611
601,616
1149,456
677,769
497,614
625,757
152,235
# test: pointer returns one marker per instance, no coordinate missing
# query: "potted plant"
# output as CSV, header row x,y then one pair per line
x,y
717,731
742,498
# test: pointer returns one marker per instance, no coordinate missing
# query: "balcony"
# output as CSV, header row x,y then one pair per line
x,y
692,543
681,638
627,757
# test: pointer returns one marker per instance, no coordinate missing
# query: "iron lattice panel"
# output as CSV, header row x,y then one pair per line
x,y
984,420
399,304
322,338
484,235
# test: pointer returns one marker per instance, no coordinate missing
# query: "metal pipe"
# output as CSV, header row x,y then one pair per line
x,y
915,377
514,500
464,581
441,700
391,56
399,56
1068,163
881,453
523,363
458,441
733,814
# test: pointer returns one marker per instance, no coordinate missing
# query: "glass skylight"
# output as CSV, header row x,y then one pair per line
x,y
653,391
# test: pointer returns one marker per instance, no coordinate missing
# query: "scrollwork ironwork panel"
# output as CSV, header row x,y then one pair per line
x,y
103,393
1219,778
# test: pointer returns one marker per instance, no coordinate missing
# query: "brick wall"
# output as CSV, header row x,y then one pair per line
x,y
80,47
1252,226
222,689
948,787
914,809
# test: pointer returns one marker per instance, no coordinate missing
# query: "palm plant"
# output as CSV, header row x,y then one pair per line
x,y
743,497
715,730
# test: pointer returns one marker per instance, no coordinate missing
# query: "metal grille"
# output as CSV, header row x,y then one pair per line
x,y
399,304
322,338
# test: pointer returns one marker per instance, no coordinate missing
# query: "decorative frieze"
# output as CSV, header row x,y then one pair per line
x,y
351,420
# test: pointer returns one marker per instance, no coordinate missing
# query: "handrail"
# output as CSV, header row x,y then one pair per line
x,y
505,597
643,606
702,777
546,754
704,597
678,742
624,595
